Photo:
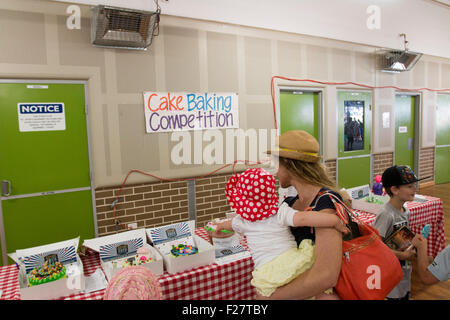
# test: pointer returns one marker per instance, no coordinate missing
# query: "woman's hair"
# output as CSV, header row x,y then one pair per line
x,y
313,173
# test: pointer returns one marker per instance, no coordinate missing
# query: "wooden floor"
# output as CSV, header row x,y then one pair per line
x,y
439,291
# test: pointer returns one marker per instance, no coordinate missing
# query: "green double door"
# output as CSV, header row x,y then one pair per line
x,y
354,132
46,192
442,169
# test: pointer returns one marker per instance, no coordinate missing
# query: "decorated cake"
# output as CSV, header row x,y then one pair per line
x,y
183,250
137,260
46,273
212,227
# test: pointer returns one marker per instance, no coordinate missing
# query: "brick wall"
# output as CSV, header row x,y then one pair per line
x,y
148,205
426,164
331,169
382,161
161,203
210,199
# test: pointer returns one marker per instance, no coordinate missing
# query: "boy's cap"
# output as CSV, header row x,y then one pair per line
x,y
398,175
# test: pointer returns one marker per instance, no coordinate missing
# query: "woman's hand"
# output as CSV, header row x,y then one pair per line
x,y
340,226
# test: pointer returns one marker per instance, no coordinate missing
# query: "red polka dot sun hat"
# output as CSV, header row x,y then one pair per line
x,y
252,194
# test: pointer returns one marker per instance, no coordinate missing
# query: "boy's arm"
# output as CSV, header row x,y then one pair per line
x,y
318,220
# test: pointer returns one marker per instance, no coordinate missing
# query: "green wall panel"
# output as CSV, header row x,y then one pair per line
x,y
442,172
50,157
443,119
353,172
404,141
68,216
299,112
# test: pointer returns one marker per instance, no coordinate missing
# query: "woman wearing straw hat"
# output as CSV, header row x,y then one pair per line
x,y
276,256
300,167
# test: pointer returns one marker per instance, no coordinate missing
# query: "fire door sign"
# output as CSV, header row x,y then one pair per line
x,y
41,116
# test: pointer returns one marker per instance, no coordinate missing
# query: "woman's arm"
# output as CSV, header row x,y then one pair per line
x,y
319,220
408,254
325,271
422,260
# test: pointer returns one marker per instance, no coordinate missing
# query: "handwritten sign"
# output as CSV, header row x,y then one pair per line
x,y
167,111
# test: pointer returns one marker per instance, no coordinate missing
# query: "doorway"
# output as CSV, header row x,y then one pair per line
x,y
442,168
301,109
406,145
47,191
354,133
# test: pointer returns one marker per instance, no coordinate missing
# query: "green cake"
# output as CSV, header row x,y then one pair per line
x,y
47,273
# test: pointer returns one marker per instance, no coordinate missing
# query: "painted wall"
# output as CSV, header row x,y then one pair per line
x,y
199,56
425,22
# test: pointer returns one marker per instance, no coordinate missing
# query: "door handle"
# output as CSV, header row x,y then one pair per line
x,y
6,188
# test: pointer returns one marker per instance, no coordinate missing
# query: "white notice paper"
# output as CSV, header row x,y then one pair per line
x,y
41,116
402,129
386,120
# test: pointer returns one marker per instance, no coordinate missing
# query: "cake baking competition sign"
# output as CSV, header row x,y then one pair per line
x,y
173,111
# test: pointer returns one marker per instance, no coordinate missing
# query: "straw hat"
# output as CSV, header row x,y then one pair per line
x,y
297,145
133,283
252,194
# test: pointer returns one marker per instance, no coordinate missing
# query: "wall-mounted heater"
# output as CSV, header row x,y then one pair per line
x,y
396,60
390,60
114,27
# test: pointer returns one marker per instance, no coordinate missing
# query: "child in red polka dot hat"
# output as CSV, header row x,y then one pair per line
x,y
252,194
278,260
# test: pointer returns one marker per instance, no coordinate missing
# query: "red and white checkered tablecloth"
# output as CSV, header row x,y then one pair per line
x,y
230,281
430,212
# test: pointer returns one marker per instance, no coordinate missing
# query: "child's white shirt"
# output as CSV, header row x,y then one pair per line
x,y
268,238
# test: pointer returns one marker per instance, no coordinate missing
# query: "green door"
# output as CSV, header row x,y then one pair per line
x,y
442,170
354,132
44,171
404,130
299,110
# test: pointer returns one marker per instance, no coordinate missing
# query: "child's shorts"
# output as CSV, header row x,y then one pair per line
x,y
283,269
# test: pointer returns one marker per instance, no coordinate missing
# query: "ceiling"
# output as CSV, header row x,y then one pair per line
x,y
425,22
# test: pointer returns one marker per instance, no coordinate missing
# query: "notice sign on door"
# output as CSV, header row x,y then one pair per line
x,y
402,129
41,116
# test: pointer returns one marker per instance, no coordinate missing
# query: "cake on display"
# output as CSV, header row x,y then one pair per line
x,y
124,250
47,273
183,250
